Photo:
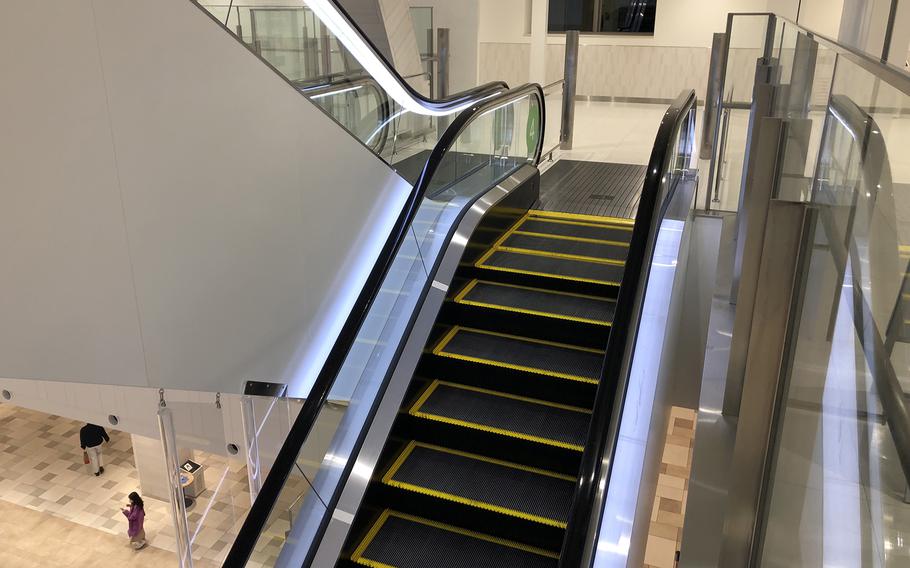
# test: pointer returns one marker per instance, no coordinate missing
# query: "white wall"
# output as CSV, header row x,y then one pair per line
x,y
173,213
658,66
684,23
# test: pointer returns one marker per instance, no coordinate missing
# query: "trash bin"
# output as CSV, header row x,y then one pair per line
x,y
193,481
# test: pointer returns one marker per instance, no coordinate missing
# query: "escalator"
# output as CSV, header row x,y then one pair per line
x,y
488,438
483,458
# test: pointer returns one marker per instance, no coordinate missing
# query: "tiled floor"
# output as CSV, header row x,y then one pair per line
x,y
36,540
621,133
668,513
41,469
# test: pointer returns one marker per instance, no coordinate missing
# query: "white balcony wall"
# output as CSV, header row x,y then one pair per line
x,y
172,213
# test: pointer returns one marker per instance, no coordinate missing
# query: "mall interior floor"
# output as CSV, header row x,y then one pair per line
x,y
38,540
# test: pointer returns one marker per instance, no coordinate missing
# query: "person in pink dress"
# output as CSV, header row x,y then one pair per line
x,y
135,514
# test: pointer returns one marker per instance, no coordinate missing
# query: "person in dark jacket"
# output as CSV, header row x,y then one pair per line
x,y
91,436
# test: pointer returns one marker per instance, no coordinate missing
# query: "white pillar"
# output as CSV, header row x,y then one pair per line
x,y
863,25
537,73
148,454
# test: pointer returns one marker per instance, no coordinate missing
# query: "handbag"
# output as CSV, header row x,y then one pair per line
x,y
85,459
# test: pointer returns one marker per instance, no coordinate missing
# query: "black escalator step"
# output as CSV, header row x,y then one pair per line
x,y
585,230
535,301
568,247
551,267
502,487
408,541
504,414
522,354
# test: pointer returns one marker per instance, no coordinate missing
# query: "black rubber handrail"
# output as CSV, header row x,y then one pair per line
x,y
597,459
286,459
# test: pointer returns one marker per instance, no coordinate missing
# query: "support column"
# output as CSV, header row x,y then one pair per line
x,y
567,133
781,282
175,489
537,73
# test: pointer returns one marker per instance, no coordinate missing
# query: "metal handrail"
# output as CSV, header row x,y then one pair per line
x,y
893,75
603,433
549,86
303,425
450,104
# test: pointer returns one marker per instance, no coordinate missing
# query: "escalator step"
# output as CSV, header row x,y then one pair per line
x,y
523,354
582,229
535,301
407,541
551,267
505,414
510,489
569,247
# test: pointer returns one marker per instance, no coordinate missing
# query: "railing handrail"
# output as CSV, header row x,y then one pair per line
x,y
604,429
261,508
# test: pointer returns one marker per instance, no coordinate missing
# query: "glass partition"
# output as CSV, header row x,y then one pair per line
x,y
745,49
553,95
491,143
292,37
841,457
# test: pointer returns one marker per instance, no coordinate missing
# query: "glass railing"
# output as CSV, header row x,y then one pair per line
x,y
836,489
629,371
315,46
482,145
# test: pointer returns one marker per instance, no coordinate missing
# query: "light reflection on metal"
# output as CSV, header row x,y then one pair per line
x,y
629,460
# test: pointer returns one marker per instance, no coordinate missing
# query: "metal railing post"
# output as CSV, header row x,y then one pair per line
x,y
713,95
763,95
175,488
567,132
751,224
442,64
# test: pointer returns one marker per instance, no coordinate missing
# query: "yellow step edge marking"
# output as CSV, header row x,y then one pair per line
x,y
415,411
562,255
461,298
616,227
448,528
357,556
458,328
481,263
554,292
571,238
509,232
387,479
439,350
582,216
